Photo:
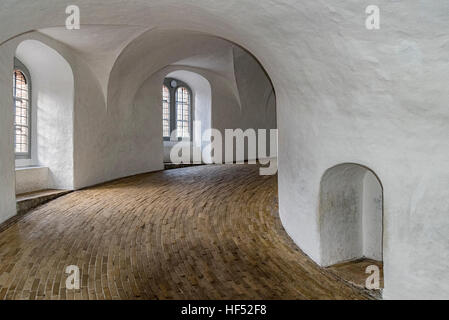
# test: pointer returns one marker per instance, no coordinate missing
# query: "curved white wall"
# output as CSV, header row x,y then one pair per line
x,y
256,92
350,215
372,217
344,94
7,159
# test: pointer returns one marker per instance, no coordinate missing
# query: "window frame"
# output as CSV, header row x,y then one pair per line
x,y
19,66
169,101
173,111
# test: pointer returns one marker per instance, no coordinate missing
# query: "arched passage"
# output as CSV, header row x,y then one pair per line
x,y
201,103
351,214
339,90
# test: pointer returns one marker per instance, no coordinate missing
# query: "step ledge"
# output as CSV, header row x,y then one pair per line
x,y
40,194
30,168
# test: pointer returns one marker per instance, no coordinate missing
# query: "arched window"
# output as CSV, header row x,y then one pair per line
x,y
183,112
22,114
176,109
166,111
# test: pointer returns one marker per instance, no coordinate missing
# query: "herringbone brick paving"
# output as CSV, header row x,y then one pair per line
x,y
209,232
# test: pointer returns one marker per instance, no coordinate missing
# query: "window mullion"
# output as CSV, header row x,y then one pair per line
x,y
173,115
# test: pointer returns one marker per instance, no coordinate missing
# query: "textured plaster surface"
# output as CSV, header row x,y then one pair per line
x,y
372,217
99,46
52,105
7,161
350,215
341,206
31,179
344,94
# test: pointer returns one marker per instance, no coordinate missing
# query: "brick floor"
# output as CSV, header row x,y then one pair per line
x,y
208,232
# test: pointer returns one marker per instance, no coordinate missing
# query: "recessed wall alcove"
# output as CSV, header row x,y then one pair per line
x,y
50,164
351,214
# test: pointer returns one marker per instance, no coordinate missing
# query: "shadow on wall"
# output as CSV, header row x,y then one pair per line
x,y
351,214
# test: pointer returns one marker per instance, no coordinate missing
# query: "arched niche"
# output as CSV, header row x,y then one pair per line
x,y
351,214
52,112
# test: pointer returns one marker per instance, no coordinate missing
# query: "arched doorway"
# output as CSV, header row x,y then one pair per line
x,y
201,107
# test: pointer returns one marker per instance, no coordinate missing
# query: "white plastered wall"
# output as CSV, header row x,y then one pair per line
x,y
60,158
30,179
52,109
7,165
350,215
344,94
372,217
